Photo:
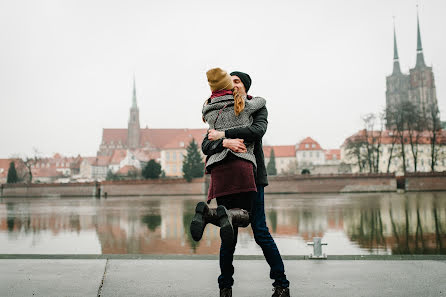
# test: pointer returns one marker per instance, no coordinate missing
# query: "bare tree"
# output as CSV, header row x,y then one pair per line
x,y
398,117
434,130
29,163
354,149
373,140
394,138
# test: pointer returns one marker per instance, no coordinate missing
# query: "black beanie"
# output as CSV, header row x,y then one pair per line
x,y
245,78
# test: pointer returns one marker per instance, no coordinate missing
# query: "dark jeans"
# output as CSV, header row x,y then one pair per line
x,y
262,237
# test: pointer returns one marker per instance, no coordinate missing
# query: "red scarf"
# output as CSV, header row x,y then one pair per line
x,y
220,93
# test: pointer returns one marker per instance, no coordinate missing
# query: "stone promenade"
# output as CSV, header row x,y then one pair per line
x,y
114,275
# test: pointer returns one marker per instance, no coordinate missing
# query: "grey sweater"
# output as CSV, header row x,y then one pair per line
x,y
219,114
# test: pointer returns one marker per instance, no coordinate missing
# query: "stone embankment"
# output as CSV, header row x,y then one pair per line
x,y
334,183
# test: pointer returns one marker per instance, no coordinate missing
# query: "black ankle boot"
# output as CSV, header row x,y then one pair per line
x,y
203,216
226,292
281,292
226,228
240,217
199,221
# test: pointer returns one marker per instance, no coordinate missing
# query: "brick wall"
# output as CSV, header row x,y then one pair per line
x,y
154,187
332,183
426,181
42,190
335,183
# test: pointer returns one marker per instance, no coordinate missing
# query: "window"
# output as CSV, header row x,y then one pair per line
x,y
174,168
311,154
306,145
317,154
303,154
174,156
167,156
334,157
313,145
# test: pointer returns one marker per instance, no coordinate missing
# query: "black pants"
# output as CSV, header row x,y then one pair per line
x,y
262,237
238,200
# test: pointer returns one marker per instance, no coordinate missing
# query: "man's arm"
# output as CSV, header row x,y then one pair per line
x,y
253,132
209,147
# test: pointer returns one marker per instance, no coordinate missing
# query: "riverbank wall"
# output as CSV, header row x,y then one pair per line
x,y
297,184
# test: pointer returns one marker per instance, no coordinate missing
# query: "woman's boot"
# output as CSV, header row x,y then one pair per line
x,y
203,216
240,217
226,228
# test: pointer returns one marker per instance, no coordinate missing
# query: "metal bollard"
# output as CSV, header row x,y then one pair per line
x,y
317,248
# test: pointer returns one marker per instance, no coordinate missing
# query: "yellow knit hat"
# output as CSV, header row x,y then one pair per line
x,y
219,80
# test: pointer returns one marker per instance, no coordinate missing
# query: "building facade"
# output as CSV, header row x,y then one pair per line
x,y
166,146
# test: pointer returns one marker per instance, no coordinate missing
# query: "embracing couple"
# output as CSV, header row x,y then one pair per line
x,y
233,146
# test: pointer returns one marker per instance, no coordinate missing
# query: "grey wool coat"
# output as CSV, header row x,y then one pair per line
x,y
219,114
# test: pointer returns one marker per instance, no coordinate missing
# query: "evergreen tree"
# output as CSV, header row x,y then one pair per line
x,y
271,167
152,170
12,174
193,165
112,176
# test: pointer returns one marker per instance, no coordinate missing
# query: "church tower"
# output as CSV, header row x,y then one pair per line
x,y
418,87
422,90
397,84
133,133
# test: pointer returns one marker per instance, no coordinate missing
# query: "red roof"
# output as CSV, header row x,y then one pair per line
x,y
126,169
312,144
157,138
46,172
330,153
280,151
4,164
97,161
146,155
118,156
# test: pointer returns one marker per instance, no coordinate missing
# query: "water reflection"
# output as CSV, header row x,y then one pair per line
x,y
351,224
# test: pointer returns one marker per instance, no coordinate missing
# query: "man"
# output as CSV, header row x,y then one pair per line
x,y
233,139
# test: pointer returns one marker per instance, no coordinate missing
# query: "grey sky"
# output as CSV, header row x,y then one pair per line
x,y
66,67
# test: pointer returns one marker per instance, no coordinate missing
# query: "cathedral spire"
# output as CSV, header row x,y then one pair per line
x,y
134,105
396,62
420,55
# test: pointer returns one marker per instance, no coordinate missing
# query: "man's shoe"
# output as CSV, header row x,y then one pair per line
x,y
281,292
240,217
226,228
226,292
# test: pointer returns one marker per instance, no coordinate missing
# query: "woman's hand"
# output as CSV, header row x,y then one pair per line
x,y
215,135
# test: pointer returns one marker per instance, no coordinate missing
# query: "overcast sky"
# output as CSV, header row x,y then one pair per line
x,y
66,67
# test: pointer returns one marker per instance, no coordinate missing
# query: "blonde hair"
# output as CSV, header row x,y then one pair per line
x,y
239,102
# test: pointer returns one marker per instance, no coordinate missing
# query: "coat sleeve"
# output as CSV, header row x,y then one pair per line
x,y
209,147
253,132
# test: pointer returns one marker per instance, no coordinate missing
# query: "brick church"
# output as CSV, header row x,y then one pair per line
x,y
167,146
417,87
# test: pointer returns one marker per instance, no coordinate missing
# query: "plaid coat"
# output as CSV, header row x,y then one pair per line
x,y
219,114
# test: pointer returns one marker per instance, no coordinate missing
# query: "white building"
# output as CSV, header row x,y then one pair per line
x,y
390,148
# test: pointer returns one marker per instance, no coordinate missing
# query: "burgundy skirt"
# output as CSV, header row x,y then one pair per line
x,y
230,177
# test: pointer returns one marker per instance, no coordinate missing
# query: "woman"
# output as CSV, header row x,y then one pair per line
x,y
232,174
